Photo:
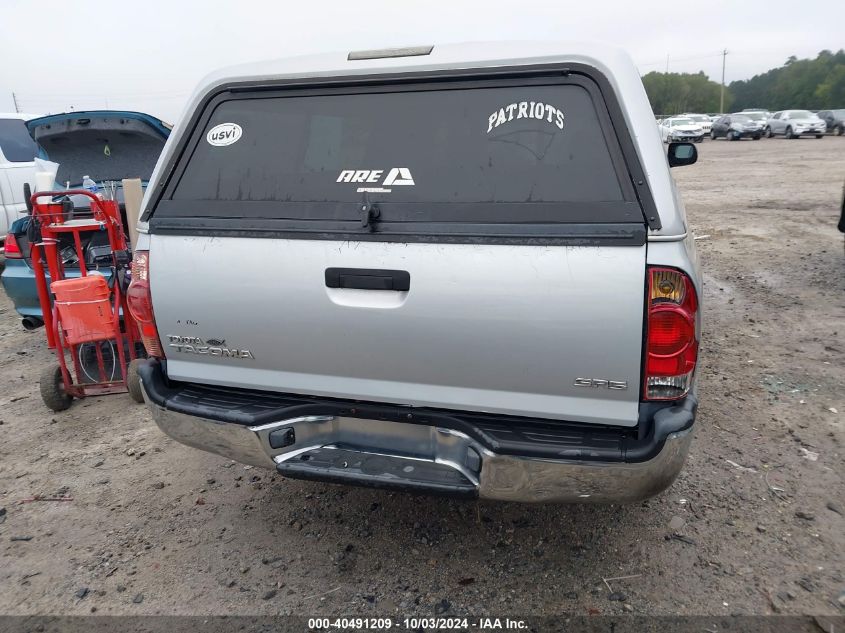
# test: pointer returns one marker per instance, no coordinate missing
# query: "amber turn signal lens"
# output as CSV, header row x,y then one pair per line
x,y
667,285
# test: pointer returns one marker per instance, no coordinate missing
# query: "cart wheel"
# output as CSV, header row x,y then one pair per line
x,y
133,381
53,390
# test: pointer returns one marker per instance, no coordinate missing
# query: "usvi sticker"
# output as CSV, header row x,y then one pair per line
x,y
224,134
536,110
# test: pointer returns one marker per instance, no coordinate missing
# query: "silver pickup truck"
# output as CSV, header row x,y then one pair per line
x,y
460,269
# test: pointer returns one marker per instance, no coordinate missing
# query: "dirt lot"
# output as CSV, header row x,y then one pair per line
x,y
754,525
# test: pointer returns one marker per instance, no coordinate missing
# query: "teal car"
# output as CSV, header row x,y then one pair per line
x,y
108,145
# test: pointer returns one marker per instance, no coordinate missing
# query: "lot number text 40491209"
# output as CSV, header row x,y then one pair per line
x,y
416,624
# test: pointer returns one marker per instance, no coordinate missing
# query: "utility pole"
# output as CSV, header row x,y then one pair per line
x,y
722,95
15,101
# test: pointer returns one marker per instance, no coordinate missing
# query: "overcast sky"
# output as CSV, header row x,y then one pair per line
x,y
148,55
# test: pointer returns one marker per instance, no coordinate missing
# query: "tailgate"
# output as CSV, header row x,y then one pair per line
x,y
472,246
507,329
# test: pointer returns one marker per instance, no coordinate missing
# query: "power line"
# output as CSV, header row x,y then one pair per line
x,y
95,99
681,59
92,103
68,93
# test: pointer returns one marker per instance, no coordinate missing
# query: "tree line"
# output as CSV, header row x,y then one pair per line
x,y
671,93
812,84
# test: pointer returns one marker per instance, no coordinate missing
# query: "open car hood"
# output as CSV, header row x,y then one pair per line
x,y
104,144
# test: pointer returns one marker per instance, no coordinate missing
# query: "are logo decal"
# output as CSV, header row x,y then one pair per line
x,y
536,110
396,177
224,134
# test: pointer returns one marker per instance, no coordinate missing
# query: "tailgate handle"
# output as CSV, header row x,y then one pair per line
x,y
368,279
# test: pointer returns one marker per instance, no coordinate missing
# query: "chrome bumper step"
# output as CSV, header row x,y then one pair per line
x,y
345,465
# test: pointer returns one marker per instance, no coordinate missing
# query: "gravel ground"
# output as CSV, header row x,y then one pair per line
x,y
754,525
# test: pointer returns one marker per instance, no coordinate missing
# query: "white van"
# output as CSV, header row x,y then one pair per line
x,y
17,151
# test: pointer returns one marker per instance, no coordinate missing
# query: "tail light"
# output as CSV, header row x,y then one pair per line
x,y
140,303
672,335
11,250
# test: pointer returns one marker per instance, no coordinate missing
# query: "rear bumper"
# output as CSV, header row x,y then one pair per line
x,y
427,451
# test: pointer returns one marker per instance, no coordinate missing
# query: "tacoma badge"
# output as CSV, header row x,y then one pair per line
x,y
212,347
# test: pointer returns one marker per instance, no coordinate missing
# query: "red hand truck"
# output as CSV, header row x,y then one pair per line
x,y
85,318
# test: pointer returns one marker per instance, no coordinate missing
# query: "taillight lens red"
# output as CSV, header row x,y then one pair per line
x,y
140,302
672,335
669,331
11,250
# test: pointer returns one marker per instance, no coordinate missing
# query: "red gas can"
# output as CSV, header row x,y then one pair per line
x,y
85,308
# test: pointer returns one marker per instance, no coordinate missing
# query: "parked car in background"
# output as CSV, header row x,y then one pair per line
x,y
702,120
736,126
761,111
795,123
675,129
834,120
371,360
105,144
715,117
758,117
17,151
